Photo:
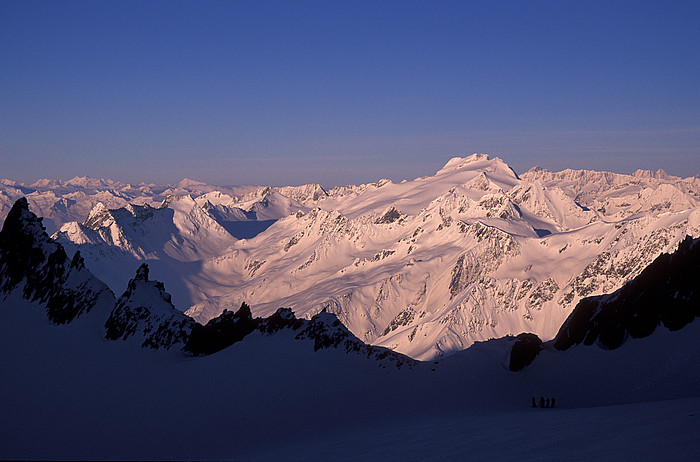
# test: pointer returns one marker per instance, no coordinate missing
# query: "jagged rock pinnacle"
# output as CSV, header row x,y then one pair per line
x,y
142,273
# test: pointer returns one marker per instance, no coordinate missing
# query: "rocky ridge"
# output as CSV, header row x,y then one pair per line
x,y
37,267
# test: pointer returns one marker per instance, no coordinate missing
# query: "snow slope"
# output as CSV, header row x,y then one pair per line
x,y
425,267
73,395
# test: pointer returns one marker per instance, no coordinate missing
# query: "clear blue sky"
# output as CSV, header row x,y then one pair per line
x,y
291,92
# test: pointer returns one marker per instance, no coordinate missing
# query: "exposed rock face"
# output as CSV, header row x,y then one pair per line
x,y
283,318
524,351
390,216
666,292
33,263
146,312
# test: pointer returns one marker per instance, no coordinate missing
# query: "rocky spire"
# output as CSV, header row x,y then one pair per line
x,y
30,261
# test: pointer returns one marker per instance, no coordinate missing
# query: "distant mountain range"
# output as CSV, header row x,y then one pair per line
x,y
424,267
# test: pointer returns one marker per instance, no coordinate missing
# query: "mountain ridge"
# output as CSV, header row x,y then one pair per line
x,y
36,267
425,267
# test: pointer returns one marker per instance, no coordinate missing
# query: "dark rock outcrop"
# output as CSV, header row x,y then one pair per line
x,y
283,318
38,266
525,348
667,292
389,216
221,332
324,329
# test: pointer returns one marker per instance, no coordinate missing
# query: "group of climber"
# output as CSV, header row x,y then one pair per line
x,y
549,402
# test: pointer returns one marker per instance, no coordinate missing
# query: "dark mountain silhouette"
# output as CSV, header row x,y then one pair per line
x,y
37,266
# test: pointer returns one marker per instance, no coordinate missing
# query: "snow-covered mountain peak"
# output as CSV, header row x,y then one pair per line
x,y
7,182
145,312
304,194
46,183
99,217
479,163
461,162
659,174
188,183
482,182
217,198
184,203
85,182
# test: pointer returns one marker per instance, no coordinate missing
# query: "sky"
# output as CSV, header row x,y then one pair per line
x,y
331,92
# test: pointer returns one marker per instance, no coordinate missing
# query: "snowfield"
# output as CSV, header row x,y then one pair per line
x,y
70,394
425,267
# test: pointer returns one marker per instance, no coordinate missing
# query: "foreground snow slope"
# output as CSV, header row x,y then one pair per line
x,y
68,393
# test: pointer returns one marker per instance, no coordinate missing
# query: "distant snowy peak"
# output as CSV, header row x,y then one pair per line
x,y
659,175
478,162
39,268
179,227
617,195
11,183
188,183
85,182
99,217
266,203
46,183
217,198
304,194
78,183
146,314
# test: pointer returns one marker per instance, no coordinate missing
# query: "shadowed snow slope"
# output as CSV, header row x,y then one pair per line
x,y
70,394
